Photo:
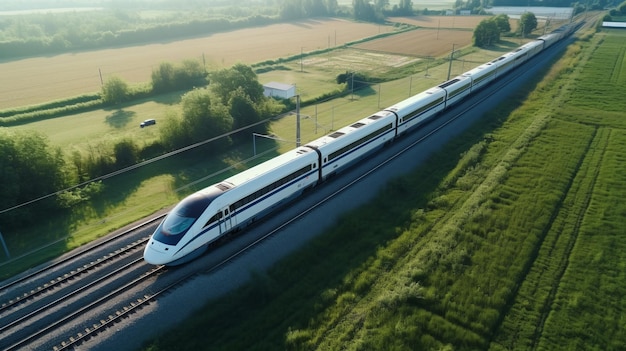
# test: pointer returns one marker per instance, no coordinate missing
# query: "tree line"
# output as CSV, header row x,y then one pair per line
x,y
51,33
488,31
34,35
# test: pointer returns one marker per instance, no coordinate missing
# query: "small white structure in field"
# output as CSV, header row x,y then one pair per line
x,y
279,90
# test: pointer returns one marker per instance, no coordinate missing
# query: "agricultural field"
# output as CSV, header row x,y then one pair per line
x,y
421,43
43,79
314,76
510,238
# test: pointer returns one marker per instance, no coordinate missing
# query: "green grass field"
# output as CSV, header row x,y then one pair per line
x,y
510,238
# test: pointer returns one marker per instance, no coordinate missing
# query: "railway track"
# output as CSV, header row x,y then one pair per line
x,y
66,303
40,306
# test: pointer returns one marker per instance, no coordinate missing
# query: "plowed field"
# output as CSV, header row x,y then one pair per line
x,y
421,42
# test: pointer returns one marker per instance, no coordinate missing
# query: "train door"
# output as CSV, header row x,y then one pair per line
x,y
226,222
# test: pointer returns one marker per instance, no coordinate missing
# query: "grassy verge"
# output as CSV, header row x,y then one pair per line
x,y
570,290
513,245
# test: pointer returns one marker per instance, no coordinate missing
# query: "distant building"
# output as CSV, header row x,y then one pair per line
x,y
614,24
279,90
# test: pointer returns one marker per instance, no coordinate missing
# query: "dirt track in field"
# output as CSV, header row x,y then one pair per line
x,y
37,80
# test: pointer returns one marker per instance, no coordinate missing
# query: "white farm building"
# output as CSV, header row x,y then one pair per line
x,y
279,90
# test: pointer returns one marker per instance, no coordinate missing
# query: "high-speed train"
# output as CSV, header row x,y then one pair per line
x,y
234,203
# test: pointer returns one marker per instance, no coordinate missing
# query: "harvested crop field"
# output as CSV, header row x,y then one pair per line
x,y
420,42
41,79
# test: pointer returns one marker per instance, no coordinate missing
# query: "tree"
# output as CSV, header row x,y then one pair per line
x,y
126,153
381,4
364,11
29,168
527,23
502,21
163,77
224,82
331,7
245,113
315,8
291,9
486,33
168,77
404,8
204,119
114,91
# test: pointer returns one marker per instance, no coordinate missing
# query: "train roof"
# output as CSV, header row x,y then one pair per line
x,y
478,69
349,129
265,167
417,98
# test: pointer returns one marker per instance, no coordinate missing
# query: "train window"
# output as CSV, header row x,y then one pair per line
x,y
214,218
459,90
422,109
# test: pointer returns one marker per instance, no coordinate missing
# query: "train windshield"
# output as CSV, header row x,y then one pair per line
x,y
182,217
175,224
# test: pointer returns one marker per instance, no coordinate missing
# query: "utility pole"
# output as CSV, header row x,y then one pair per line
x,y
352,87
450,65
297,120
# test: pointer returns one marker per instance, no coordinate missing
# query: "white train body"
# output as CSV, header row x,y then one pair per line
x,y
213,212
349,144
418,109
236,202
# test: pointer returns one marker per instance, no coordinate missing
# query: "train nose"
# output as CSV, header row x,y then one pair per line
x,y
155,254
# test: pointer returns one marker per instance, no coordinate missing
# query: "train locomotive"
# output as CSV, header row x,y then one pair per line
x,y
236,202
